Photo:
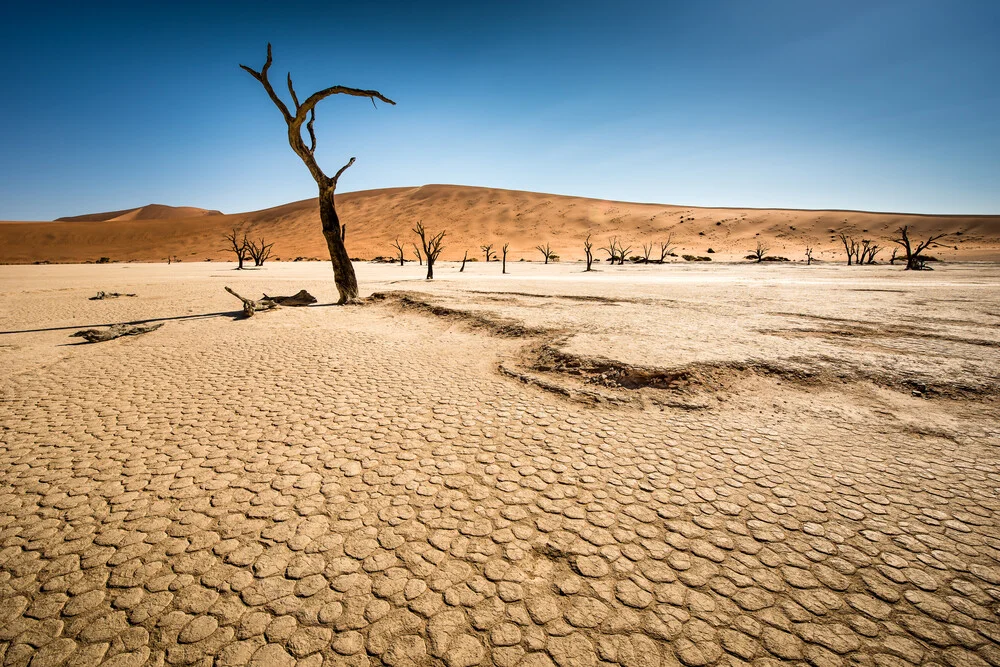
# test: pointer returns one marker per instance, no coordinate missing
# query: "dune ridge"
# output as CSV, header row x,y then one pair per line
x,y
474,216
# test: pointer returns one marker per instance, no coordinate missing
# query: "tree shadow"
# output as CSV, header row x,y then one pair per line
x,y
235,314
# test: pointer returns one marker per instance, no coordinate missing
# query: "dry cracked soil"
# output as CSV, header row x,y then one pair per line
x,y
677,465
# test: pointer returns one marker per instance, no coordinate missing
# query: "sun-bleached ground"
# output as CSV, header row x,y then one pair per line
x,y
474,216
705,465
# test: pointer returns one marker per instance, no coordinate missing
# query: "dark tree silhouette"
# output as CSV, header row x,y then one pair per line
x,y
546,251
760,252
465,258
259,252
488,249
399,250
588,249
647,248
504,250
333,231
432,247
666,247
238,245
809,256
914,260
420,258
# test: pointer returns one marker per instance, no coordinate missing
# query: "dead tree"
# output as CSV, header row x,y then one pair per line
x,y
893,258
666,248
850,247
646,249
237,245
250,306
623,251
259,252
914,261
333,231
399,249
809,256
546,251
432,247
420,258
464,259
504,250
867,252
611,249
488,249
759,252
588,249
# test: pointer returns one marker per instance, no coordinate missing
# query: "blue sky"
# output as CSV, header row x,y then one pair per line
x,y
875,104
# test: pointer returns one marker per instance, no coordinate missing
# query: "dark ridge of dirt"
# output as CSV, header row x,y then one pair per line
x,y
870,331
680,387
498,326
569,297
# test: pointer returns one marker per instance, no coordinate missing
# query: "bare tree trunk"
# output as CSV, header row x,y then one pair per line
x,y
343,270
505,246
464,259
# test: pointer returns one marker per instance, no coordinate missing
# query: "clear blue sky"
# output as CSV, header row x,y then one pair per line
x,y
868,104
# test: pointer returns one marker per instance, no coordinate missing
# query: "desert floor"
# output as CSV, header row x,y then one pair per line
x,y
708,465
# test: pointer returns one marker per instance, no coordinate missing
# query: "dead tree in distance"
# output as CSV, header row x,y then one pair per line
x,y
343,270
546,251
623,251
488,249
850,246
647,248
420,258
259,252
759,252
237,245
399,250
588,249
611,249
914,261
432,247
464,259
666,247
504,250
809,256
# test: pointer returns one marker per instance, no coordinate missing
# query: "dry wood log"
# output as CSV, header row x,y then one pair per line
x,y
300,298
108,295
250,306
115,331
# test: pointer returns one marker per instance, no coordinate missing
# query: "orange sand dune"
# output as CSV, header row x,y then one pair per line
x,y
148,212
473,216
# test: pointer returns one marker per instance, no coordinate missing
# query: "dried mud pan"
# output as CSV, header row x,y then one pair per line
x,y
363,485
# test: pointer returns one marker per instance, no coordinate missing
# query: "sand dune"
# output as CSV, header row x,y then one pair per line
x,y
473,216
148,212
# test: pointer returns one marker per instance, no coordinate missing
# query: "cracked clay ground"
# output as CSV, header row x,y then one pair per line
x,y
361,486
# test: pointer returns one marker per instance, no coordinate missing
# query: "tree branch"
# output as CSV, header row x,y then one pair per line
x,y
262,77
336,176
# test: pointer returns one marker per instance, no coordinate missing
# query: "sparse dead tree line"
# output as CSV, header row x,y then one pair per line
x,y
399,250
260,252
504,250
588,249
238,245
546,251
915,261
432,247
305,114
488,250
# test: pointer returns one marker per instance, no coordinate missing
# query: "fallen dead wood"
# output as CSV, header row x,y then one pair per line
x,y
108,295
115,331
250,306
300,298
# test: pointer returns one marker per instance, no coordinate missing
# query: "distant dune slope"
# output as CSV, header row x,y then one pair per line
x,y
473,216
148,212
